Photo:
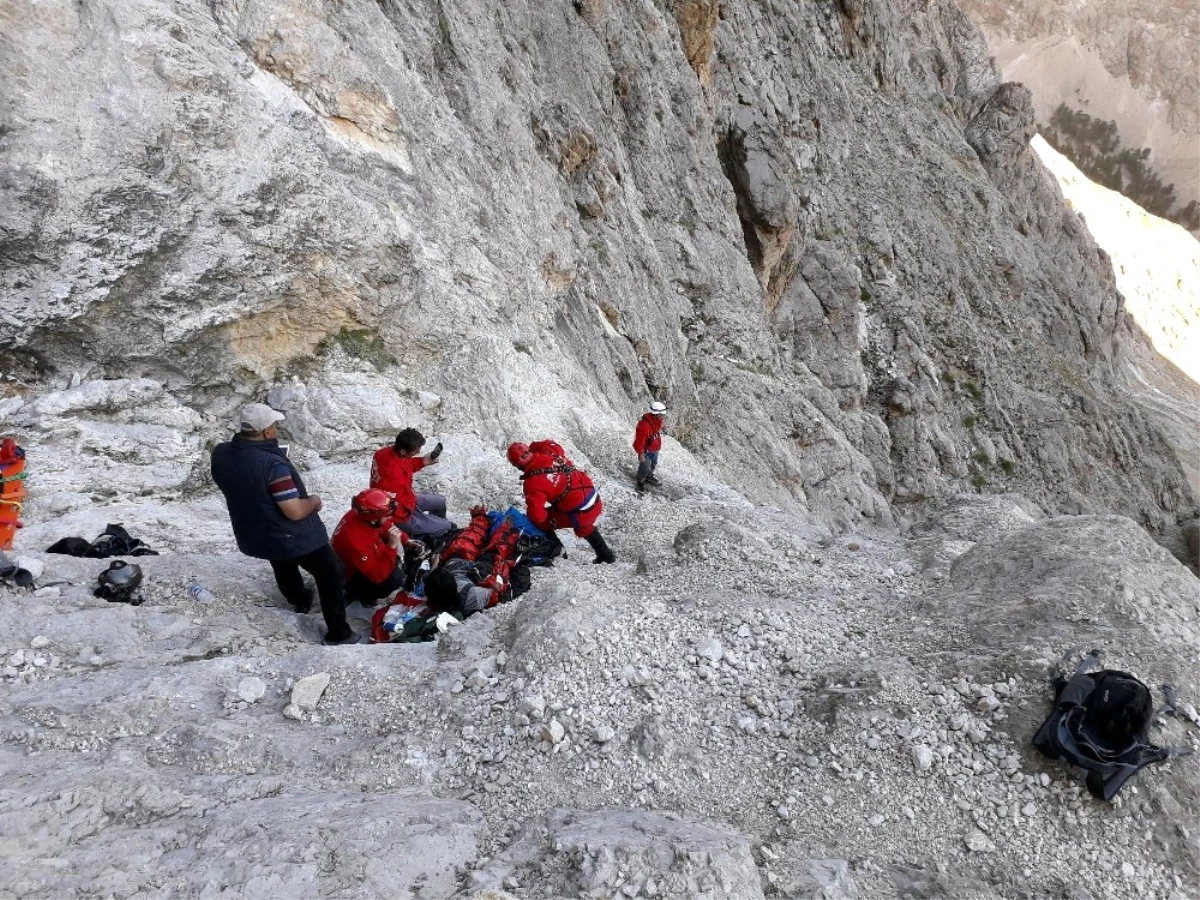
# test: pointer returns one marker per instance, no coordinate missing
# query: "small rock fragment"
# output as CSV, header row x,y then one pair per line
x,y
252,689
533,707
553,732
987,703
307,692
922,758
978,842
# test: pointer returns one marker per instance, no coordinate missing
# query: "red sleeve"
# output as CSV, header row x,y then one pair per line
x,y
362,549
640,436
377,469
535,505
377,561
392,523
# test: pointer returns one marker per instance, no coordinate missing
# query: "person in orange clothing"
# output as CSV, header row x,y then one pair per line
x,y
558,495
371,548
647,441
392,470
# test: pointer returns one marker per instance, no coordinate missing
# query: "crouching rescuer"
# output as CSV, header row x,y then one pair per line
x,y
559,495
372,548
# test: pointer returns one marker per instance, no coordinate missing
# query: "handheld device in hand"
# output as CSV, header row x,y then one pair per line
x,y
436,451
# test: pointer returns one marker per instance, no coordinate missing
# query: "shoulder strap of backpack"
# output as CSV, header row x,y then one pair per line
x,y
560,467
1104,785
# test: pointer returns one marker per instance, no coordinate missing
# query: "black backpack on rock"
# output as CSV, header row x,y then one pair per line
x,y
1101,722
114,541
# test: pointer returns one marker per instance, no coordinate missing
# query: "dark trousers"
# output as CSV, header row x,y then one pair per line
x,y
324,566
428,519
647,467
367,592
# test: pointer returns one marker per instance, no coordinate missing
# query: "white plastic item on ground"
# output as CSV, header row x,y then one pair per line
x,y
201,593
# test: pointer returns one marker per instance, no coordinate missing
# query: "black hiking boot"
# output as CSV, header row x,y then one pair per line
x,y
603,553
641,486
653,479
350,638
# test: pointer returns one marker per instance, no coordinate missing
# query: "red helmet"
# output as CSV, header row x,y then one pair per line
x,y
374,505
518,454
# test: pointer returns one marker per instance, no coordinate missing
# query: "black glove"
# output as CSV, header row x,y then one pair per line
x,y
436,451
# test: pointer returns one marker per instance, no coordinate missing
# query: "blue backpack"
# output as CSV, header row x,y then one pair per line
x,y
536,547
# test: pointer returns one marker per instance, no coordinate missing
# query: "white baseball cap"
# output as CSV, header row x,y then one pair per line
x,y
658,407
260,417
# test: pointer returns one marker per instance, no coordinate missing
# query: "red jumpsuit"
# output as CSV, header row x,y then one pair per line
x,y
361,548
647,438
394,474
557,495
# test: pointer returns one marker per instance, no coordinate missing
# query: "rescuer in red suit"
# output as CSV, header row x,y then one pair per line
x,y
558,495
647,441
371,547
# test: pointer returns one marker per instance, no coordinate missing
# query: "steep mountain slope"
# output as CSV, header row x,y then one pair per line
x,y
745,705
816,229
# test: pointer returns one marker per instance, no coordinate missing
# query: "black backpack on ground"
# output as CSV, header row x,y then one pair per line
x,y
114,541
1101,722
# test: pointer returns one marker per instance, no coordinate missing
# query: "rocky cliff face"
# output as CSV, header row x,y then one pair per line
x,y
1157,269
816,229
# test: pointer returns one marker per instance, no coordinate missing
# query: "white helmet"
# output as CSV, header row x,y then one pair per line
x,y
657,407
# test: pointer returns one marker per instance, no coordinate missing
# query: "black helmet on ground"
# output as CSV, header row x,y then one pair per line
x,y
119,583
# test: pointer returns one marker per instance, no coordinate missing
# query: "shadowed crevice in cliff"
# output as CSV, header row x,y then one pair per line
x,y
763,179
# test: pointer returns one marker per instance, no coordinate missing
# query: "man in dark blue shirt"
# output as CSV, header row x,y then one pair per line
x,y
275,519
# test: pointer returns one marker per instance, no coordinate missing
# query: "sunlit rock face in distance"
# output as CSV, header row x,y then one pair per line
x,y
1156,262
1132,62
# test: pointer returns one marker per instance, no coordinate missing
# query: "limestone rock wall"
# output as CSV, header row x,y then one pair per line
x,y
815,229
